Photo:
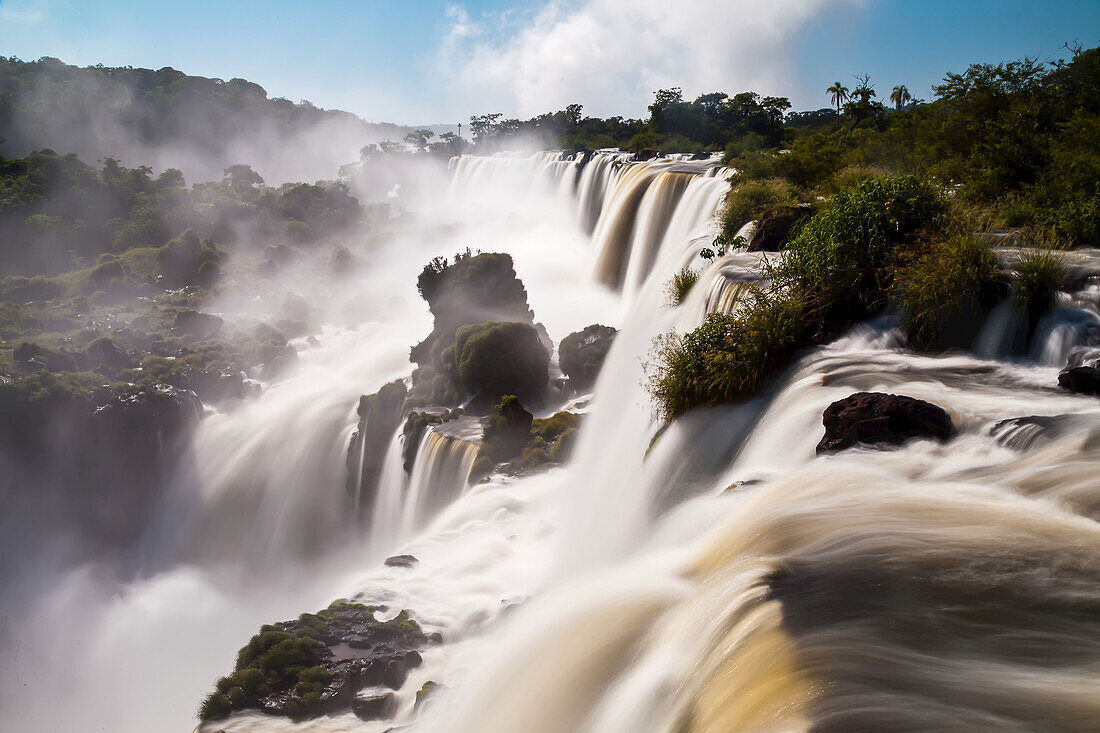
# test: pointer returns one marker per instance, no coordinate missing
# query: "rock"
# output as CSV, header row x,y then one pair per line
x,y
426,692
401,561
1082,372
500,358
104,351
874,418
1022,433
776,226
198,324
375,707
507,431
701,155
317,665
581,354
379,416
645,154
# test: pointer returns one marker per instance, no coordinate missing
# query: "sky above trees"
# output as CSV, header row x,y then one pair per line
x,y
440,61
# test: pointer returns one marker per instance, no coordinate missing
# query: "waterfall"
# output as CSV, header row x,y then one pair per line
x,y
439,475
710,575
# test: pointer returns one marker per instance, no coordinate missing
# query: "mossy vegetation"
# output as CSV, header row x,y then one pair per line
x,y
680,285
287,666
947,291
1037,276
514,438
883,236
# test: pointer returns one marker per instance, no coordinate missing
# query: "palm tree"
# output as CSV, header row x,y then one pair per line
x,y
900,96
839,94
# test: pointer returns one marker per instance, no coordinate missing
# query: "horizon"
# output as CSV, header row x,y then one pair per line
x,y
440,62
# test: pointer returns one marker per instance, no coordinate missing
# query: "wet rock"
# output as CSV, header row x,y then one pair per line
x,y
318,664
427,692
401,561
1082,372
375,707
104,351
1021,433
193,323
646,154
581,354
874,418
776,227
379,416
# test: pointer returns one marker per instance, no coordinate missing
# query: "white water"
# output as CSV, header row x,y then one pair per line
x,y
620,592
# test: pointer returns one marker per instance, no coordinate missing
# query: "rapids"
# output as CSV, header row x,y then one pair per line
x,y
719,578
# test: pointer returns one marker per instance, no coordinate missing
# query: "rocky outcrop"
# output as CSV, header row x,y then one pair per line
x,y
97,455
318,664
776,226
379,416
1082,372
581,354
874,418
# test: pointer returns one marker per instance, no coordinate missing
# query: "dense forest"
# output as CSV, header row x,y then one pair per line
x,y
165,118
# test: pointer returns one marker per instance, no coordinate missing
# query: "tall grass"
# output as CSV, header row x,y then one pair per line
x,y
944,295
680,285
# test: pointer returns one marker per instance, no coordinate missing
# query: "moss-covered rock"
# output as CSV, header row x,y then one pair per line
x,y
379,416
581,354
500,358
302,668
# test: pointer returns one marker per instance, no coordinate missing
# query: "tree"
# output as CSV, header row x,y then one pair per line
x,y
418,139
839,93
900,96
242,176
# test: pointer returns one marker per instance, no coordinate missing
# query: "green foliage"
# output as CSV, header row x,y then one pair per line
x,y
946,293
680,285
749,200
501,357
1037,277
728,357
841,262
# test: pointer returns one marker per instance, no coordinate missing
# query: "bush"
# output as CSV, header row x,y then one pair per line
x,y
680,285
728,357
582,353
500,357
751,198
946,293
1037,277
841,262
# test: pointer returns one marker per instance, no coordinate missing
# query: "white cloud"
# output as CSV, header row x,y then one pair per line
x,y
26,12
611,55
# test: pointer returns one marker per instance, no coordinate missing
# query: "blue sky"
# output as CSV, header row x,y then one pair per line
x,y
442,60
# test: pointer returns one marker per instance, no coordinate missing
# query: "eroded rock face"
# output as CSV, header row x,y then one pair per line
x,y
875,418
319,663
1082,372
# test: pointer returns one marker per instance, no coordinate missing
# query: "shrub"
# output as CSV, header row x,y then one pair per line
x,y
680,285
841,263
582,353
1037,277
501,357
20,289
749,199
728,357
945,294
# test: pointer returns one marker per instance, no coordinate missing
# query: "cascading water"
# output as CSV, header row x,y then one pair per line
x,y
716,576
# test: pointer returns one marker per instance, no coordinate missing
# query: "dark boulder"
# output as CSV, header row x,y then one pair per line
x,y
776,227
1082,372
581,354
375,707
193,323
508,430
401,561
645,154
105,352
874,418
